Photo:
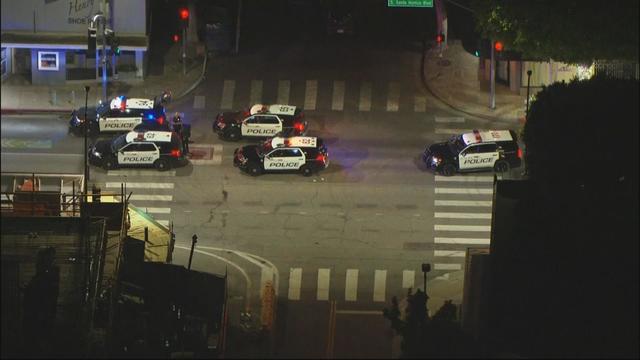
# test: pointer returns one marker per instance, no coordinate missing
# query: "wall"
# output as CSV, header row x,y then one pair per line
x,y
41,77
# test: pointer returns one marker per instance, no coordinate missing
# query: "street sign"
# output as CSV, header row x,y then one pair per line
x,y
409,3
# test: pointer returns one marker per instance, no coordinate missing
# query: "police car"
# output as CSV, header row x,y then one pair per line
x,y
260,121
160,149
120,114
305,154
496,150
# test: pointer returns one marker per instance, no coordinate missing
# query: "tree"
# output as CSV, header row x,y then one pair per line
x,y
563,30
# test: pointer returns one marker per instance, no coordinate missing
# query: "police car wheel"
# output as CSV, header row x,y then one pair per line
x,y
110,163
306,170
234,135
501,166
253,169
448,170
161,165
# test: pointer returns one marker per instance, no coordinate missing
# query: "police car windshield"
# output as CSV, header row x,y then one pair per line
x,y
118,143
456,144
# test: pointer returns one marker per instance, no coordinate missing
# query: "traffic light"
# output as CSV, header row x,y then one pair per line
x,y
183,14
91,43
498,46
440,38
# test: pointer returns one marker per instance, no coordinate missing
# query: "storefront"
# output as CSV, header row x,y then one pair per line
x,y
46,41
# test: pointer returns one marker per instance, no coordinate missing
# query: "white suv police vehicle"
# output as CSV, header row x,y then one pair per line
x,y
120,114
260,121
305,154
496,150
160,149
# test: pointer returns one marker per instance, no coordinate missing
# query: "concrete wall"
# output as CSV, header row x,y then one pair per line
x,y
44,77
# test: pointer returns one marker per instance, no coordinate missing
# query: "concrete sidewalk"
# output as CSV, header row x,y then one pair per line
x,y
454,79
20,97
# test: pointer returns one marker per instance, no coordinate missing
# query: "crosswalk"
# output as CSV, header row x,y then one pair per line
x,y
153,196
358,285
313,94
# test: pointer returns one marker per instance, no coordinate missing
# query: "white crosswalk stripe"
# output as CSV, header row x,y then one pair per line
x,y
228,91
310,94
337,100
351,285
365,97
284,87
393,96
256,92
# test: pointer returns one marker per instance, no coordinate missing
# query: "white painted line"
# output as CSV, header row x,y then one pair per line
x,y
310,94
488,179
462,203
143,197
256,92
140,173
447,267
393,99
449,119
451,131
464,241
198,102
266,274
351,285
228,89
139,185
408,278
365,97
450,215
337,101
486,191
295,280
419,103
449,253
163,222
157,210
486,228
323,284
379,285
284,87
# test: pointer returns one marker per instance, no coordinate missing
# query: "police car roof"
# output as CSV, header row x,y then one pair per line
x,y
294,141
486,136
131,103
272,109
156,136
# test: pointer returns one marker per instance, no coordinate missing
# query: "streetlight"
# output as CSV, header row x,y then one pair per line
x,y
528,84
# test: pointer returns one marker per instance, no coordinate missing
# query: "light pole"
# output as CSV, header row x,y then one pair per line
x,y
528,84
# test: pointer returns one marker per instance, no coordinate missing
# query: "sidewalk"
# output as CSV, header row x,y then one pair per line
x,y
453,79
20,97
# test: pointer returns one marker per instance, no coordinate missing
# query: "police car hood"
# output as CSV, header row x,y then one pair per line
x,y
441,149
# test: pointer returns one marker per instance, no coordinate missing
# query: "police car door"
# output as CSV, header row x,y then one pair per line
x,y
284,159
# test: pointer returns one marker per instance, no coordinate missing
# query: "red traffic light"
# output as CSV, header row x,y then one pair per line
x,y
440,38
184,14
176,38
498,46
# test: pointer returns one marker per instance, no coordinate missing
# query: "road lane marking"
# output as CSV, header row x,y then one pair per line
x,y
451,131
139,185
295,280
323,284
486,228
462,203
228,89
449,253
310,94
256,92
449,119
408,278
465,241
351,285
465,178
467,191
144,197
284,87
337,101
450,215
393,96
198,102
379,285
365,97
419,103
447,266
157,210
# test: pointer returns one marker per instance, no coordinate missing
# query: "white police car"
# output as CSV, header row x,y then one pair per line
x,y
120,114
160,149
496,150
305,154
260,121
